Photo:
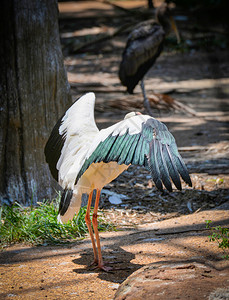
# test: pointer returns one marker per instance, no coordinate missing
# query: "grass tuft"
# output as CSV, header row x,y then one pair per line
x,y
38,225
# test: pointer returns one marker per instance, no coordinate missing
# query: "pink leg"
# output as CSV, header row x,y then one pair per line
x,y
88,222
95,225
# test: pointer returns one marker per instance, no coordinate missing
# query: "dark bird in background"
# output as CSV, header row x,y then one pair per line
x,y
144,45
83,158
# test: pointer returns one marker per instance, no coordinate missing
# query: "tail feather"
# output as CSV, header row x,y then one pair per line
x,y
69,205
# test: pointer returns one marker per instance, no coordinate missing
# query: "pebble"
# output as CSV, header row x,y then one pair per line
x,y
114,286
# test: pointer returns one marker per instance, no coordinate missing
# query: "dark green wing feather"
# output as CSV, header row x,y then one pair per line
x,y
153,147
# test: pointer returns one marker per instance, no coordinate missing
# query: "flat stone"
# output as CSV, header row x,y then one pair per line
x,y
174,280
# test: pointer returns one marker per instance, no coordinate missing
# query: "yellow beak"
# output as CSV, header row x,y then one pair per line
x,y
174,27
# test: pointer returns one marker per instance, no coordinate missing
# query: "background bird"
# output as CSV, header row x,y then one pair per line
x,y
144,45
83,158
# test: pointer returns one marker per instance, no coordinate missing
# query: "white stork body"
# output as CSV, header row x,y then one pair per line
x,y
82,158
96,177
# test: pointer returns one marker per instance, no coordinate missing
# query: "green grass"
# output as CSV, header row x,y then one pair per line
x,y
221,236
38,224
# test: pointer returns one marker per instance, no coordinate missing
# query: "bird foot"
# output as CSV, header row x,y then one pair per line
x,y
111,269
103,267
94,263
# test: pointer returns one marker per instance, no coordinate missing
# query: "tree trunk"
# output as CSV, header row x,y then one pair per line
x,y
150,4
34,94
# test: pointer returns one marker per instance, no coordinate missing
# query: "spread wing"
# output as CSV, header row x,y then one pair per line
x,y
69,140
140,140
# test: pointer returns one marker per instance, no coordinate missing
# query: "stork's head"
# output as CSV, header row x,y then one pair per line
x,y
164,17
132,114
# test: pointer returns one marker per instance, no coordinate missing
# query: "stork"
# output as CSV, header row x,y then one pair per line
x,y
83,158
144,45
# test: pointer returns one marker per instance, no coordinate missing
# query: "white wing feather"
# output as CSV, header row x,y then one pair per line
x,y
79,128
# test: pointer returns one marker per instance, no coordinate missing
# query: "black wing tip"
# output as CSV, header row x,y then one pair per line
x,y
179,188
189,181
159,185
169,188
178,185
185,176
186,179
167,184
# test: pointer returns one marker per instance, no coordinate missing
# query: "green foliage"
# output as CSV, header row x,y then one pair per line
x,y
38,225
221,236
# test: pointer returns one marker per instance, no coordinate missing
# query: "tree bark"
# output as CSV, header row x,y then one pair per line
x,y
34,94
150,4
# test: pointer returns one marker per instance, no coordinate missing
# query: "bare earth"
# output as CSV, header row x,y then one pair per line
x,y
161,242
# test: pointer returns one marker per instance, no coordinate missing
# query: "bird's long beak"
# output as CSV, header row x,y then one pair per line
x,y
174,27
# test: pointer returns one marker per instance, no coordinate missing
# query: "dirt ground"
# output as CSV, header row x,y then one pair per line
x,y
155,230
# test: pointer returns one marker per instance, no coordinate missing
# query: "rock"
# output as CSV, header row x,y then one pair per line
x,y
115,200
220,294
173,280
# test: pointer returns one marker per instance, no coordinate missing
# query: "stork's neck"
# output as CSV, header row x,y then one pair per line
x,y
166,25
162,16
